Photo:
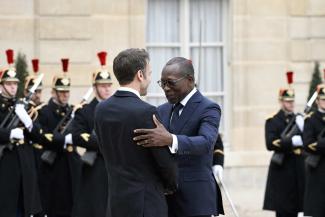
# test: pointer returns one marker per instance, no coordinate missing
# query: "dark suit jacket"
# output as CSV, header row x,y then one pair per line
x,y
196,132
137,176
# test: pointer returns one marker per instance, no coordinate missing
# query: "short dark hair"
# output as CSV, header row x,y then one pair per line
x,y
185,66
128,62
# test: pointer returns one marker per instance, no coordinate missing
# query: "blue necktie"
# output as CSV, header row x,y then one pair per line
x,y
175,117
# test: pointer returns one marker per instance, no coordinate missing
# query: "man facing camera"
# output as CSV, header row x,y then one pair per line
x,y
138,177
192,121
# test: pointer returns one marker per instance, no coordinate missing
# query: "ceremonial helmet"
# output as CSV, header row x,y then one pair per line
x,y
30,80
102,76
9,74
62,82
287,94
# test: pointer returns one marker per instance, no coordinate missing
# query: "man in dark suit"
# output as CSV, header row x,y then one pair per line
x,y
91,198
137,177
193,122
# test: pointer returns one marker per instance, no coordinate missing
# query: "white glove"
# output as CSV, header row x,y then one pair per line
x,y
217,172
23,116
300,122
68,139
296,141
17,133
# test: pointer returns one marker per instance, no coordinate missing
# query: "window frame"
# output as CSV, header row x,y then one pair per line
x,y
185,50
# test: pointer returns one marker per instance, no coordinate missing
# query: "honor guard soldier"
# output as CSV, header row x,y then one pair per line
x,y
19,193
60,163
217,168
29,82
35,105
285,181
91,197
314,142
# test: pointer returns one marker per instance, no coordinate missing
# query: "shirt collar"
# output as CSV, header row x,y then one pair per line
x,y
188,97
129,90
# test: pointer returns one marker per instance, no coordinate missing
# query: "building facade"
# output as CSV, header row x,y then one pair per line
x,y
241,50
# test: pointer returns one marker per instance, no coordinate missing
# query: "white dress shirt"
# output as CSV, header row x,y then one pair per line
x,y
129,90
174,147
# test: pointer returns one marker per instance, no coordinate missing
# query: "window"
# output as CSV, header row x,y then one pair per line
x,y
195,29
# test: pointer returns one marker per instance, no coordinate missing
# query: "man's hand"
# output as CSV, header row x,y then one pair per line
x,y
158,136
68,139
297,141
17,133
218,172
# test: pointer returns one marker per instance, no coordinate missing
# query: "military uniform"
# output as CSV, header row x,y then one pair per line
x,y
91,199
34,108
314,142
218,159
218,154
285,181
36,133
57,179
19,193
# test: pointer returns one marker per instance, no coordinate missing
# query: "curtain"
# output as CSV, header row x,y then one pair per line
x,y
163,27
206,18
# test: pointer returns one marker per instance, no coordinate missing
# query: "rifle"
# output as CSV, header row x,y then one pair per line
x,y
49,156
11,120
232,205
292,129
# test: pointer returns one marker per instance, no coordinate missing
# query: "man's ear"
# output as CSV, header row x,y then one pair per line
x,y
140,75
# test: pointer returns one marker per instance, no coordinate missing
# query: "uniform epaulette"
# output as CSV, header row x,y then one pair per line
x,y
218,151
309,115
33,111
40,106
32,104
271,116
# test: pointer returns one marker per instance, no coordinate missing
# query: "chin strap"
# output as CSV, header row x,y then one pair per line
x,y
6,93
58,99
98,96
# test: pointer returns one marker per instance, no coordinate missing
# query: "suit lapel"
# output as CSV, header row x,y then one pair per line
x,y
166,118
188,111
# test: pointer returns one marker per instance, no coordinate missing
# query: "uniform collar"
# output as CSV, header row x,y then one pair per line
x,y
321,110
59,109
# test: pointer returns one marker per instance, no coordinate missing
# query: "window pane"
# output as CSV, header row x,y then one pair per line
x,y
158,58
220,101
163,21
211,66
208,14
156,100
